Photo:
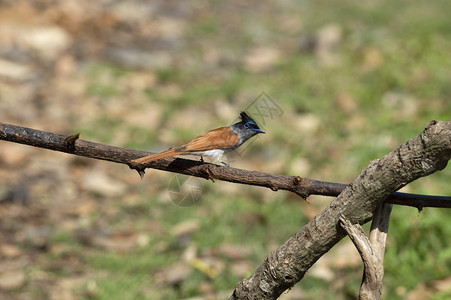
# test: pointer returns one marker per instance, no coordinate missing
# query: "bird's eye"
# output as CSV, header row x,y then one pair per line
x,y
246,125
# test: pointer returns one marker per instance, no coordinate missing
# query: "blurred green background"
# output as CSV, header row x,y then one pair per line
x,y
352,81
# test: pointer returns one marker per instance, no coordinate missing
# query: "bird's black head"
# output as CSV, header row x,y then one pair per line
x,y
247,128
249,123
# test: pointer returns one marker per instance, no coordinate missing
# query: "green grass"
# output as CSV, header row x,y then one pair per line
x,y
394,101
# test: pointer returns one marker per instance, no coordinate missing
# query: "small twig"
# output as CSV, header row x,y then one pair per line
x,y
70,141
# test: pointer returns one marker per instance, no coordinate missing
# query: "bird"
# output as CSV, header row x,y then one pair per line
x,y
214,143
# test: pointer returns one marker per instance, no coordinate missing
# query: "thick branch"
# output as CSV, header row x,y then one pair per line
x,y
421,156
303,187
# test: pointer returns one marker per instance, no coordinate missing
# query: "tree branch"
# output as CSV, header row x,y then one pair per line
x,y
303,187
373,268
371,250
427,153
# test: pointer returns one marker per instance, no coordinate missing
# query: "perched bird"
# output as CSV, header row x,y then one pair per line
x,y
213,143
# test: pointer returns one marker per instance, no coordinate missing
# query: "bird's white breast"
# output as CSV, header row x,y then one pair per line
x,y
215,153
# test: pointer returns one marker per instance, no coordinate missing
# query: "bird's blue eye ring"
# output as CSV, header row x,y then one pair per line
x,y
246,125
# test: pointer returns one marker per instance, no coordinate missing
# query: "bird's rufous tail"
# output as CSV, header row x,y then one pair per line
x,y
160,155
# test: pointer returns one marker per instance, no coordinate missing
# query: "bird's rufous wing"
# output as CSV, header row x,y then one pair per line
x,y
220,138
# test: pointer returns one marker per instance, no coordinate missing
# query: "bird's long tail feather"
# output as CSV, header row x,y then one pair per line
x,y
160,155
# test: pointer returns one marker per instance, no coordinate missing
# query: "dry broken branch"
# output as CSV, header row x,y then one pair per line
x,y
371,250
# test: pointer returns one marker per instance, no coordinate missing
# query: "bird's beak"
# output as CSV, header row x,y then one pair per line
x,y
258,130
